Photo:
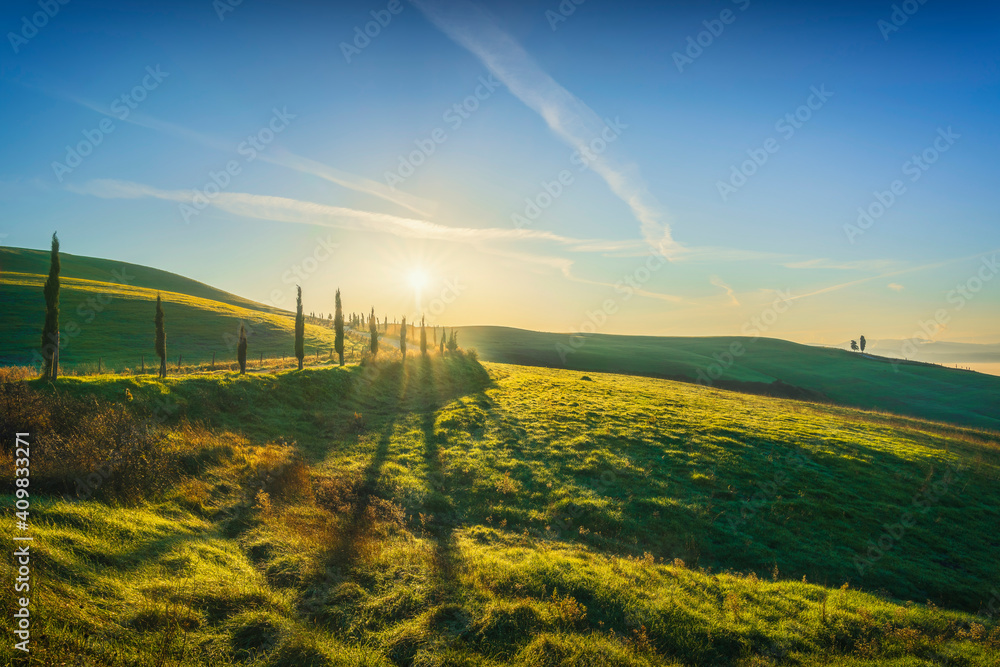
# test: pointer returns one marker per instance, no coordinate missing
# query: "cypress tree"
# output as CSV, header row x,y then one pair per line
x,y
50,329
423,336
442,342
453,341
373,329
300,328
402,338
338,326
241,351
161,338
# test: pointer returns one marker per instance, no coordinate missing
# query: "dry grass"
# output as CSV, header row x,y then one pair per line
x,y
17,373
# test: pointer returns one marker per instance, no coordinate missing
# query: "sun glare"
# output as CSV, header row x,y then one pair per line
x,y
418,279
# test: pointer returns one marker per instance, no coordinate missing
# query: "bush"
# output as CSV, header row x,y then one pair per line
x,y
85,448
17,373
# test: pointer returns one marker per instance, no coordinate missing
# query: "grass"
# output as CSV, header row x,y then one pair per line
x,y
106,323
110,324
762,366
450,513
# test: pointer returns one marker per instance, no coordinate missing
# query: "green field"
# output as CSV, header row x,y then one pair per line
x,y
104,319
761,365
107,313
450,512
447,513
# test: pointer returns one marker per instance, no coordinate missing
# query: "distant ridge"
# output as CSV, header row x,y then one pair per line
x,y
767,366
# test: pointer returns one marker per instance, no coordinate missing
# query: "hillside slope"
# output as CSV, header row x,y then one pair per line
x,y
103,319
36,262
439,513
762,365
107,309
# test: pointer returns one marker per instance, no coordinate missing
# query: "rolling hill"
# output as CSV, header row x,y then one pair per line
x,y
102,317
444,512
760,365
106,312
447,512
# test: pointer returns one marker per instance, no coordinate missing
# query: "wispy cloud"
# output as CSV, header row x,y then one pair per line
x,y
896,287
567,116
284,209
890,274
308,166
274,156
840,265
294,211
852,283
717,281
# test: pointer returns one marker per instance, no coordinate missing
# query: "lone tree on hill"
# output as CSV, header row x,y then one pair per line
x,y
300,329
161,338
338,327
862,342
854,345
373,330
50,329
423,336
241,351
402,338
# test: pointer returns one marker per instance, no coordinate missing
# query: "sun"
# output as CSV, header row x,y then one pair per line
x,y
418,279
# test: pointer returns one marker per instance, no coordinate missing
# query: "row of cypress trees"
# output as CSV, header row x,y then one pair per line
x,y
50,328
241,351
447,342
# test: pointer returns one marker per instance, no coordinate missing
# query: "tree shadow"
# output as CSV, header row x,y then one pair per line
x,y
445,517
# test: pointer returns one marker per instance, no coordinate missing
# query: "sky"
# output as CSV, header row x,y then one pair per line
x,y
807,171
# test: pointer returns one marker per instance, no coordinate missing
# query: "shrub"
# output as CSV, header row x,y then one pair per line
x,y
85,449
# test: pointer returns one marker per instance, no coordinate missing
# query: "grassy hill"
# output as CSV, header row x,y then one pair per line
x,y
447,513
762,365
107,307
107,314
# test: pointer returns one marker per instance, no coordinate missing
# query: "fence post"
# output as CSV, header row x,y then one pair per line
x,y
142,360
261,365
213,361
178,362
99,359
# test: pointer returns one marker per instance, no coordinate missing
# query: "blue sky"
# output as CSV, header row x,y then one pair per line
x,y
442,241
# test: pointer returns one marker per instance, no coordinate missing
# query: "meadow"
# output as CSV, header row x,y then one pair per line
x,y
760,365
107,321
107,311
448,512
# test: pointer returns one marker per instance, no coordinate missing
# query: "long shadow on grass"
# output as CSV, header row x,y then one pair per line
x,y
392,392
442,519
361,515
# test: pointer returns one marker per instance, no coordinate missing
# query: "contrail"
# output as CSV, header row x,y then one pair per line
x,y
574,122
